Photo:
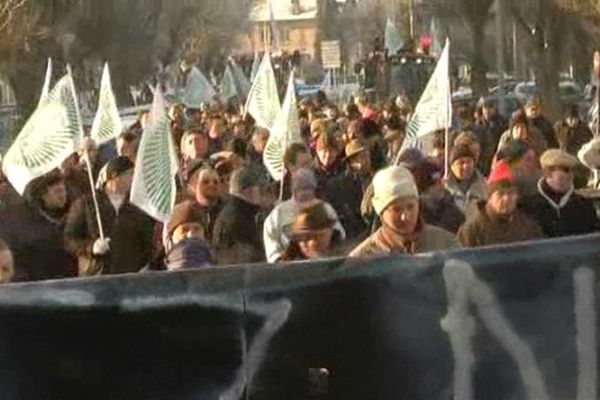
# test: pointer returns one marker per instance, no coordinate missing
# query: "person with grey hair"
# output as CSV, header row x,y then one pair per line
x,y
236,234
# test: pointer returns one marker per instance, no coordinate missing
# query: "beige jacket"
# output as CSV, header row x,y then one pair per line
x,y
430,238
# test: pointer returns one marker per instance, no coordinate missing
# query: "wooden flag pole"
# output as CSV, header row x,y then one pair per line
x,y
596,68
86,156
447,139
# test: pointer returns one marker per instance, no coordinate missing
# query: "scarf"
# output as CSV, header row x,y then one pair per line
x,y
189,253
556,200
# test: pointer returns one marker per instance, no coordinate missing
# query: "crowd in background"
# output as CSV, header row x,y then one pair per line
x,y
350,190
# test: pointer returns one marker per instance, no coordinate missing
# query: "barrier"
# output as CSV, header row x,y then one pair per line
x,y
514,322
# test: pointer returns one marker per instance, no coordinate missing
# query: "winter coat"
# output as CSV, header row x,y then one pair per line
x,y
130,231
467,201
236,234
572,139
325,175
485,229
443,213
560,215
429,238
544,127
345,193
9,197
534,139
488,132
36,241
276,235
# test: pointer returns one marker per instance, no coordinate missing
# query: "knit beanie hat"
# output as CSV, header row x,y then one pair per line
x,y
426,174
518,118
461,151
311,219
390,184
501,177
183,213
513,151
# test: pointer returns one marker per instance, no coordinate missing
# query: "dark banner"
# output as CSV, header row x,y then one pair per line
x,y
515,322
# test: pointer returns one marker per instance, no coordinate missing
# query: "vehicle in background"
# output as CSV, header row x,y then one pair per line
x,y
408,73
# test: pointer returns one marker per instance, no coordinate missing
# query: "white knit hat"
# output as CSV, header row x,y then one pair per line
x,y
390,184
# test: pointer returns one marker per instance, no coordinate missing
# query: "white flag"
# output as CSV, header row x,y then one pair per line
x,y
153,188
434,110
198,90
107,123
47,81
285,131
228,86
393,39
255,66
47,139
263,99
242,83
326,85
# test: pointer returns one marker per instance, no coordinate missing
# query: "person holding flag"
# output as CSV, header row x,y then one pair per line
x,y
127,246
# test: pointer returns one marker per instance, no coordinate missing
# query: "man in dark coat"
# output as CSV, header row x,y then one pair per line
x,y
345,192
127,245
498,220
571,132
236,237
34,231
556,207
208,198
488,130
533,109
438,207
328,159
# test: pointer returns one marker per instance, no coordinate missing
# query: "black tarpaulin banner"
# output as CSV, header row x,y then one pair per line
x,y
514,322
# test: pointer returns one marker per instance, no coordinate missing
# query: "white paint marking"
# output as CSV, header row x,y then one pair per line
x,y
275,314
459,273
460,326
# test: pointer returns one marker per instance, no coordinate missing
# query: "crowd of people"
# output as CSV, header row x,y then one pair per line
x,y
350,189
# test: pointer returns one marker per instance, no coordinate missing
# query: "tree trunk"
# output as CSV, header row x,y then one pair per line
x,y
478,64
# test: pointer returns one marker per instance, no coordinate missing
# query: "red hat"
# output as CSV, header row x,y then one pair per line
x,y
501,177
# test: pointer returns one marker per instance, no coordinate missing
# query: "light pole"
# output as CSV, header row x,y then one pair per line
x,y
411,16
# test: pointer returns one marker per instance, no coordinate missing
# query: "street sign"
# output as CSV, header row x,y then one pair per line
x,y
331,56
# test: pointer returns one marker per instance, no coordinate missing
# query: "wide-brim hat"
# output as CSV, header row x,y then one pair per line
x,y
312,219
353,148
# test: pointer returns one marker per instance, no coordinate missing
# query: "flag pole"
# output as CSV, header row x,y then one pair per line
x,y
447,124
446,147
86,155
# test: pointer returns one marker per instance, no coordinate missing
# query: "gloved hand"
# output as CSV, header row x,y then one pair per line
x,y
101,246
